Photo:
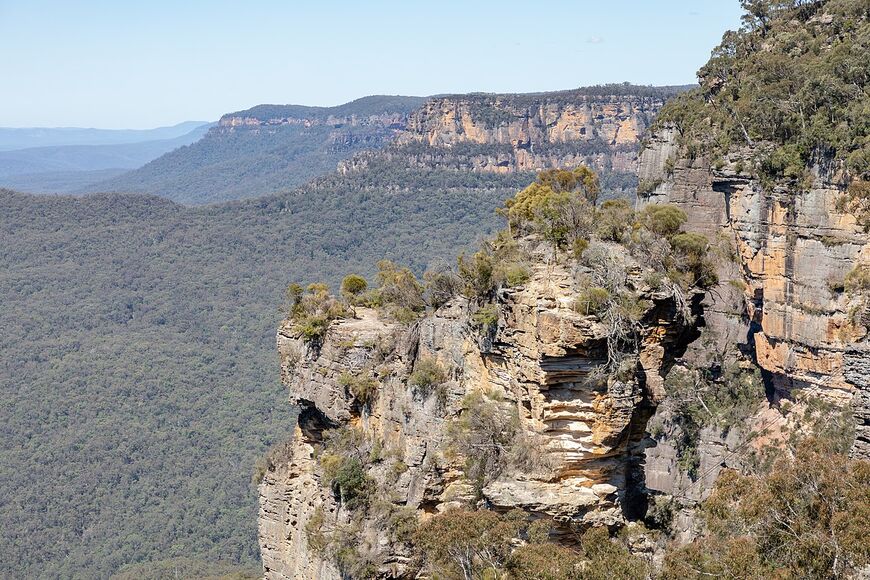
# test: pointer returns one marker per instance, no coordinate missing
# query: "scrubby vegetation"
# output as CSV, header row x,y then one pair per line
x,y
313,309
344,458
489,435
481,544
427,376
500,262
807,517
723,399
556,206
362,387
792,86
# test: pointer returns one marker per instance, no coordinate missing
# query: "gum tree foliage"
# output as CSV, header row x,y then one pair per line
x,y
791,84
556,206
808,517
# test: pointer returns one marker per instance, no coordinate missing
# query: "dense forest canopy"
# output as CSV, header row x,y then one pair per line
x,y
138,366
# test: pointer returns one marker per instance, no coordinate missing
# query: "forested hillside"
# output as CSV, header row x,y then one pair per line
x,y
266,149
138,372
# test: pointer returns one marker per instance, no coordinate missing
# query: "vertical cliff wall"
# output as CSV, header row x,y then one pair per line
x,y
579,463
782,298
523,133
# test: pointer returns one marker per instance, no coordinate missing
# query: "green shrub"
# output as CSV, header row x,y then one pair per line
x,y
592,300
580,245
485,317
558,206
476,274
648,186
544,561
612,220
427,376
312,311
513,274
353,286
350,483
695,249
663,219
489,435
317,540
660,512
362,387
440,285
786,161
469,544
606,559
858,279
399,291
807,517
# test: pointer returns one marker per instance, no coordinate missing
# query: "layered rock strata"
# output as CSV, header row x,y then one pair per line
x,y
537,362
781,298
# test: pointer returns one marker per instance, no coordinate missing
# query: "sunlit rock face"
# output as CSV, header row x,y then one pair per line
x,y
782,298
536,362
529,133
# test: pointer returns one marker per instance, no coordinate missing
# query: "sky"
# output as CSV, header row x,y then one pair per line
x,y
146,63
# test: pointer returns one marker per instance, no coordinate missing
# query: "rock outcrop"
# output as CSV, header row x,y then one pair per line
x,y
585,435
548,131
483,133
781,299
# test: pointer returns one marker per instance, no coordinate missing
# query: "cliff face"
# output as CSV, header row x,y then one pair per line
x,y
503,134
782,298
584,467
546,132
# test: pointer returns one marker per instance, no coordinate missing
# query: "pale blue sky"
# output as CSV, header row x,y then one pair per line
x,y
144,63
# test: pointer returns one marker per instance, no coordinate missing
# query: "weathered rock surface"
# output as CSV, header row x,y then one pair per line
x,y
781,298
537,361
525,133
549,131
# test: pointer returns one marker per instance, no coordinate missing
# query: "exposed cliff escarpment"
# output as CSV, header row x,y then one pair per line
x,y
783,297
482,133
697,361
536,363
530,389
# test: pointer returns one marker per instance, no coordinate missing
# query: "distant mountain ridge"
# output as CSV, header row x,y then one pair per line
x,y
12,138
272,148
68,168
266,149
372,106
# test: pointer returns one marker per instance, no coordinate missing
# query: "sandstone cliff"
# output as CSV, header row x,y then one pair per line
x,y
482,133
782,298
583,468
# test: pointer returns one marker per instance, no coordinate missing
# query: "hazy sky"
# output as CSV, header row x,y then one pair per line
x,y
144,63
